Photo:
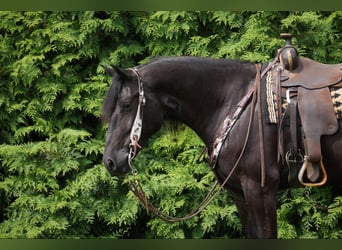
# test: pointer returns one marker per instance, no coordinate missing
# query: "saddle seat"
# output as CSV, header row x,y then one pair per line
x,y
312,75
309,84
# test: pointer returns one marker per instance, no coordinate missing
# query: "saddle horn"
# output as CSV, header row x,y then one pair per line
x,y
288,56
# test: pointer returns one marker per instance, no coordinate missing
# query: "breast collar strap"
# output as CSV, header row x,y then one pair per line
x,y
137,123
227,126
230,120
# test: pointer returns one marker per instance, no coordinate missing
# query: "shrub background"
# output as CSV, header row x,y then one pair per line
x,y
52,181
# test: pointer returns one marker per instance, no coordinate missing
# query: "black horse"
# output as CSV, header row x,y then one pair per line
x,y
202,93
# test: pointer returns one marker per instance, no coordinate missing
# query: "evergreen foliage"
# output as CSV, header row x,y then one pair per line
x,y
52,181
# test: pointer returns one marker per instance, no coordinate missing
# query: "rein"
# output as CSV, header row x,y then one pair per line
x,y
225,129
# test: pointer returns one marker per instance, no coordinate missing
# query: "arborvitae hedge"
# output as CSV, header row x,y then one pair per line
x,y
52,181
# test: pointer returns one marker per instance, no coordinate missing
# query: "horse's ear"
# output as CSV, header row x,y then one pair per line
x,y
108,70
115,70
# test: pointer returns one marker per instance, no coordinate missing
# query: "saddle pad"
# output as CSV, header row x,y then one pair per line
x,y
336,97
269,100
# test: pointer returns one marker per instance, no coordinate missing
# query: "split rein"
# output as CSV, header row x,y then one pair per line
x,y
229,122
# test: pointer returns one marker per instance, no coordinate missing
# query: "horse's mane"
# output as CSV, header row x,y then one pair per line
x,y
210,60
109,102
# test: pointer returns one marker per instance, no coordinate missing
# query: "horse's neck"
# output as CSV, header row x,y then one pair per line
x,y
205,96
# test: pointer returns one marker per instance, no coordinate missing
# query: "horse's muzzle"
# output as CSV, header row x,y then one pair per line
x,y
116,162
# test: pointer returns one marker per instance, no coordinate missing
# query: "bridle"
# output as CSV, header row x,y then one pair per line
x,y
224,130
137,123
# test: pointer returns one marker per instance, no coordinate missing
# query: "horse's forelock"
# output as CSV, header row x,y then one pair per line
x,y
110,100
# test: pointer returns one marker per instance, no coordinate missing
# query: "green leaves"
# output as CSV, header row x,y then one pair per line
x,y
53,186
309,213
52,180
52,140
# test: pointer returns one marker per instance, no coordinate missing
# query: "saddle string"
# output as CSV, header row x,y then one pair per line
x,y
260,127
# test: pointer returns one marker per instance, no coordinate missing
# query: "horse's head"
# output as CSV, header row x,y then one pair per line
x,y
133,113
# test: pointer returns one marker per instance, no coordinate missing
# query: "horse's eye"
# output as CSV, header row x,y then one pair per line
x,y
126,106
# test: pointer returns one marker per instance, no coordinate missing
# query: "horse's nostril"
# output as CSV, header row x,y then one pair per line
x,y
116,164
110,163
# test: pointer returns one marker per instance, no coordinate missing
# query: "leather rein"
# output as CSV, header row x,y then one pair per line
x,y
221,136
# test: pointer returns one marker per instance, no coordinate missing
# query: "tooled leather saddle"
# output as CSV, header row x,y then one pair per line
x,y
305,85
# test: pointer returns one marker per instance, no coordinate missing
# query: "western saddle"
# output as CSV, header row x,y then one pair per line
x,y
305,85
